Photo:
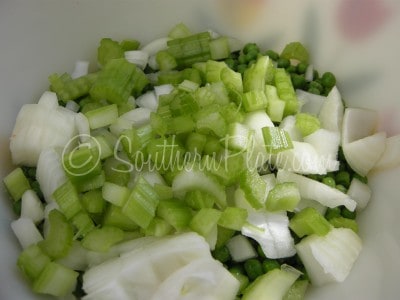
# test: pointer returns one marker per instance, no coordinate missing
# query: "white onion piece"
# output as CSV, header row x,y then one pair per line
x,y
164,89
391,156
310,203
329,258
312,103
81,69
359,192
152,177
239,198
154,65
325,142
155,46
363,154
40,126
235,44
315,190
82,125
200,279
309,75
358,123
331,114
32,207
213,34
137,57
50,173
134,118
72,106
271,231
303,159
289,125
148,100
26,232
240,248
49,100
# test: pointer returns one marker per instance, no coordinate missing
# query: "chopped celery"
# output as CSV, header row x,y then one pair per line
x,y
286,91
114,217
164,191
197,199
195,143
253,187
175,213
233,218
71,89
307,123
219,48
32,261
180,30
204,221
103,116
101,239
158,228
108,50
93,201
67,199
91,183
295,50
55,280
283,196
166,61
276,140
276,106
309,221
254,100
83,224
142,203
130,45
16,183
213,71
254,77
58,241
115,194
341,222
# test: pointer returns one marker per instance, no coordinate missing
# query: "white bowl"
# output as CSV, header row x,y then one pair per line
x,y
357,40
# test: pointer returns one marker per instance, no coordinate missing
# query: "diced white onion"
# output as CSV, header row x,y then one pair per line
x,y
359,192
148,100
26,232
137,57
32,207
72,106
82,125
134,118
312,103
155,46
81,69
240,248
331,114
391,156
164,89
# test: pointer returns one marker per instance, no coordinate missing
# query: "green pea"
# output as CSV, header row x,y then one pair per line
x,y
241,68
283,63
341,188
349,214
343,178
252,62
298,81
333,213
253,268
251,55
250,47
329,181
302,68
291,69
317,85
231,63
242,59
270,264
328,80
222,254
313,90
272,55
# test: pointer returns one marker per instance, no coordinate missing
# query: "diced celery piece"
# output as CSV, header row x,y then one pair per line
x,y
93,201
276,140
166,61
180,30
116,171
105,148
175,212
205,220
286,91
16,183
164,191
213,70
253,187
101,239
182,124
233,218
32,261
169,77
58,241
238,136
307,123
81,164
254,77
254,100
142,203
195,143
297,290
130,45
108,50
276,106
211,121
116,218
219,48
295,50
272,285
103,116
232,79
223,236
309,221
55,280
91,183
158,228
226,169
188,86
83,224
115,194
197,199
67,199
192,75
341,222
72,89
283,196
165,152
